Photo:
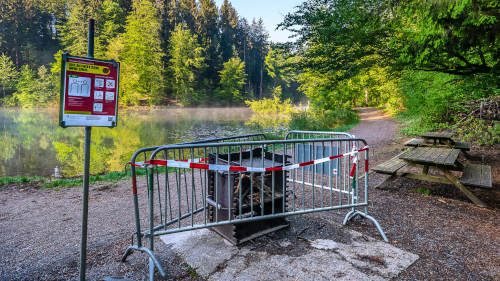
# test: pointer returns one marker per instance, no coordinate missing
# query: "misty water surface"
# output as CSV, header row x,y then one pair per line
x,y
32,143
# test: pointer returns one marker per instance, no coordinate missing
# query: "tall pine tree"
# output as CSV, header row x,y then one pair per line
x,y
209,37
186,61
189,13
139,50
26,31
228,26
258,52
74,32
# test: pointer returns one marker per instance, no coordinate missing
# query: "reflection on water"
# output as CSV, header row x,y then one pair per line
x,y
32,143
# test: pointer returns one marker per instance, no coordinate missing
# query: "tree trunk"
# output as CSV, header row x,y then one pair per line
x,y
366,96
260,86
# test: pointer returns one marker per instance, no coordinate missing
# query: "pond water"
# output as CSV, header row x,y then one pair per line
x,y
32,143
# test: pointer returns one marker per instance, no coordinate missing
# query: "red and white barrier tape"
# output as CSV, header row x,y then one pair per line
x,y
190,164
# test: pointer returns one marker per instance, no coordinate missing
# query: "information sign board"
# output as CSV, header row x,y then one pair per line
x,y
89,92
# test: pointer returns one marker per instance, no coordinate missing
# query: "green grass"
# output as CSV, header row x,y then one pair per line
x,y
24,179
422,190
191,271
45,182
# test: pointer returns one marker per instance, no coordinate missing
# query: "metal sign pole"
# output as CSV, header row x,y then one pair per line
x,y
86,166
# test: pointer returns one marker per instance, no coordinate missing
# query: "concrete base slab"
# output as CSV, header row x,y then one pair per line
x,y
310,249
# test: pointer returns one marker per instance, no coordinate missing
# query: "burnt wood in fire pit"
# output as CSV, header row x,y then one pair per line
x,y
227,195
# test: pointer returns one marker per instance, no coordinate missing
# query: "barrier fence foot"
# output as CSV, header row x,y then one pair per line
x,y
152,270
352,214
153,261
127,253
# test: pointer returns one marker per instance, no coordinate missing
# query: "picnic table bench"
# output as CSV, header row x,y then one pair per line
x,y
443,159
438,139
464,146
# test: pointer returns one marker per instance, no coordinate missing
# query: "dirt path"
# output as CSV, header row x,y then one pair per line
x,y
40,229
375,127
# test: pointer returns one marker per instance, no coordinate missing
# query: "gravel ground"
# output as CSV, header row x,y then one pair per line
x,y
40,229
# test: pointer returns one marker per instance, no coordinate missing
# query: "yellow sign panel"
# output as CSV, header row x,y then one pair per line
x,y
88,68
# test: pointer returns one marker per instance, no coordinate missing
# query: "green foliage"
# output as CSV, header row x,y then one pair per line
x,y
8,74
277,113
232,79
73,32
138,33
423,190
228,25
349,49
35,90
139,50
456,37
433,100
272,112
374,86
186,59
8,180
110,24
45,182
191,271
26,30
278,64
336,37
274,105
479,132
328,120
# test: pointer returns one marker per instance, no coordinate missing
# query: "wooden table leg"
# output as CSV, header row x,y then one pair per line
x,y
386,182
464,189
425,170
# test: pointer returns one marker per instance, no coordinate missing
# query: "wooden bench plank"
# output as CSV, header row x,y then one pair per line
x,y
442,155
391,166
431,156
477,175
438,135
462,146
414,142
486,176
452,157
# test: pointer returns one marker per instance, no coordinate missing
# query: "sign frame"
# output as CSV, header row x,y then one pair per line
x,y
62,100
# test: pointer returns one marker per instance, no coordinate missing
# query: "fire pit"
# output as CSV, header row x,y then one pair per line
x,y
227,195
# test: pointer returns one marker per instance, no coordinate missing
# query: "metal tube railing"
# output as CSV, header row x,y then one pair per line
x,y
219,182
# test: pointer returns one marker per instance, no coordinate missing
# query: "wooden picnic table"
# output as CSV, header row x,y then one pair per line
x,y
438,138
444,159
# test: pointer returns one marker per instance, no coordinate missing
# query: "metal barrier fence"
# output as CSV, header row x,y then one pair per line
x,y
235,188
